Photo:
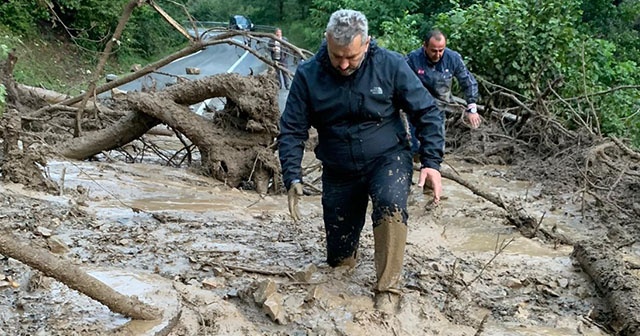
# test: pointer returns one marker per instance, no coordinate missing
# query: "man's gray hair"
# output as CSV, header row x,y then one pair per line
x,y
345,24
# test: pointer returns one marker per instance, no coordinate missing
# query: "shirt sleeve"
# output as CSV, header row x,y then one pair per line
x,y
294,131
465,78
420,106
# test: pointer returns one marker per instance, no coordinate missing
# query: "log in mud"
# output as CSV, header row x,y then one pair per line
x,y
72,276
604,264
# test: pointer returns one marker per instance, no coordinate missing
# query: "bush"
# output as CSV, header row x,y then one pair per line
x,y
521,44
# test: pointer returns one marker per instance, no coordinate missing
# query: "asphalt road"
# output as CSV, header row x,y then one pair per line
x,y
216,59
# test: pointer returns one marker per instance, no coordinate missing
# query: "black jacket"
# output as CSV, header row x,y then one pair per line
x,y
438,77
357,116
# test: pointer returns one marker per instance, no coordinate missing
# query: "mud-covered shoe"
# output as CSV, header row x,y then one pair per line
x,y
387,302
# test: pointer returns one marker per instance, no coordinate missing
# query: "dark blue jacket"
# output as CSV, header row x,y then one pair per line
x,y
438,77
357,116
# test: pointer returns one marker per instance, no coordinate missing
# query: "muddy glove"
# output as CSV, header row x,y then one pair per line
x,y
295,191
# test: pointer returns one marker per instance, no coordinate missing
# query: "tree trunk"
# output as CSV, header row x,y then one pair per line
x,y
72,276
229,144
620,287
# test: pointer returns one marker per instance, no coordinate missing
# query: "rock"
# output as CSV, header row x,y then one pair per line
x,y
117,92
514,284
135,67
306,273
522,313
111,78
562,282
314,293
273,307
265,290
56,245
44,231
218,271
192,70
212,283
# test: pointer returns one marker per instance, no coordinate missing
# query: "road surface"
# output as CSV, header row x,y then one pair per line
x,y
216,59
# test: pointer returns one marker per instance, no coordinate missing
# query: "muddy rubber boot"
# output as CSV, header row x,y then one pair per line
x,y
390,238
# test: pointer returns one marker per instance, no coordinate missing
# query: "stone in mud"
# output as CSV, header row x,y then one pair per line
x,y
264,291
43,231
273,307
211,283
56,245
314,293
305,274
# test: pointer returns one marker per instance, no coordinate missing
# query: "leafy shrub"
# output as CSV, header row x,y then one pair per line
x,y
525,44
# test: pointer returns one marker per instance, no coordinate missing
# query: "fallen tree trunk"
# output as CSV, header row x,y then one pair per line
x,y
620,287
231,146
72,276
127,129
528,226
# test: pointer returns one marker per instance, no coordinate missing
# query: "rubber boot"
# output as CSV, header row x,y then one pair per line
x,y
390,237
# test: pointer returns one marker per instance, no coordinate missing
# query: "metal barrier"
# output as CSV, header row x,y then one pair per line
x,y
219,24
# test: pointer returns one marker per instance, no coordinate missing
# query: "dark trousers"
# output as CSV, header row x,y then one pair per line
x,y
345,198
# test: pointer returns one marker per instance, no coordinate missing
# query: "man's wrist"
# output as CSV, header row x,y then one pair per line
x,y
472,108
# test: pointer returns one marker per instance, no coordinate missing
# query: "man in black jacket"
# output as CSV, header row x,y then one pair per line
x,y
351,91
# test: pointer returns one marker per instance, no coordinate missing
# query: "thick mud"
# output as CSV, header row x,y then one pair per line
x,y
467,271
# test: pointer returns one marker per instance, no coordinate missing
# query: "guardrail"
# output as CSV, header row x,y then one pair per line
x,y
219,24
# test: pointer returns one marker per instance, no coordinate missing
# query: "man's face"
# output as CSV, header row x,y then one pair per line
x,y
347,59
279,33
435,48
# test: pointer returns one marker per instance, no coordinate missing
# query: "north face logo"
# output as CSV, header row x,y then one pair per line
x,y
376,90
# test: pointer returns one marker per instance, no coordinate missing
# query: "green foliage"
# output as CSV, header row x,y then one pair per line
x,y
512,41
219,10
4,51
400,35
22,16
617,23
377,12
525,44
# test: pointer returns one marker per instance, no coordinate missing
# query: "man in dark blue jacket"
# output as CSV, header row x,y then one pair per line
x,y
351,91
436,66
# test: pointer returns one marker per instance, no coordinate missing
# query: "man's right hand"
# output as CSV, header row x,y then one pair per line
x,y
293,195
434,178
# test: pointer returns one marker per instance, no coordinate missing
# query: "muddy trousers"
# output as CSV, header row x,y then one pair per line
x,y
344,201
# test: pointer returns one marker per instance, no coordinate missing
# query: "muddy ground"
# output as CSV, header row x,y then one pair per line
x,y
467,270
234,262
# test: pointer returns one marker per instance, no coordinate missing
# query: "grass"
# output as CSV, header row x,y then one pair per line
x,y
56,63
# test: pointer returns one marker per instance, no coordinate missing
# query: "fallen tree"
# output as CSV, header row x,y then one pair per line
x,y
619,286
75,278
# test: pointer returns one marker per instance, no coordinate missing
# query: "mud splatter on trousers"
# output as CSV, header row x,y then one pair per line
x,y
386,181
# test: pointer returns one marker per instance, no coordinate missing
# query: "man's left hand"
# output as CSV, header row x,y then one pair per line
x,y
473,116
434,178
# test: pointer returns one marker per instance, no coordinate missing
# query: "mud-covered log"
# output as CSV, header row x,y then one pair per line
x,y
72,276
621,288
127,129
229,144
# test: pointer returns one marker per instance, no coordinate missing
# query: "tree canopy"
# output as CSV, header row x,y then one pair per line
x,y
584,47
